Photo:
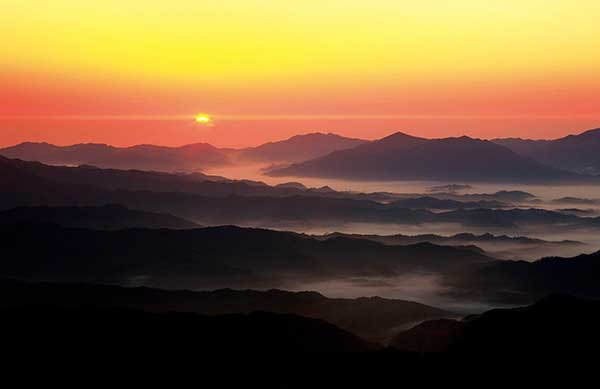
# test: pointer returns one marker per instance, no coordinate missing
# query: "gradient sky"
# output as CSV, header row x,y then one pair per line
x,y
137,71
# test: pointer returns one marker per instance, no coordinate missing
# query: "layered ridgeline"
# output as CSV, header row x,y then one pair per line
x,y
115,217
499,246
190,158
299,148
576,153
398,156
205,258
106,217
200,199
372,318
213,257
144,157
404,157
22,175
554,327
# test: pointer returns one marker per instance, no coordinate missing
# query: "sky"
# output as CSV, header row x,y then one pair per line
x,y
139,71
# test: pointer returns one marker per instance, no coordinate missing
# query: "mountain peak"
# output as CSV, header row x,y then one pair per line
x,y
575,153
399,135
300,147
400,156
594,132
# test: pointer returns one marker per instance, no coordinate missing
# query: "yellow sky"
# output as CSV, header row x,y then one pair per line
x,y
228,41
249,54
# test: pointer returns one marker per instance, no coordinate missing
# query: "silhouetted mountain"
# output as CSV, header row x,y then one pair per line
x,y
451,188
577,211
27,178
508,196
519,281
576,153
107,217
92,330
210,257
499,246
403,157
577,200
435,203
295,185
371,318
30,177
431,336
554,327
145,157
310,210
515,218
300,148
212,202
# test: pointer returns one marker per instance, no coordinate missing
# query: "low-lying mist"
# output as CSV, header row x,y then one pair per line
x,y
560,241
425,288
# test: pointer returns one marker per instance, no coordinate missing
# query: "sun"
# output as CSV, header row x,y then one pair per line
x,y
203,118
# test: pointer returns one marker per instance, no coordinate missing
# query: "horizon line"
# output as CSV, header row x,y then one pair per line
x,y
309,132
291,117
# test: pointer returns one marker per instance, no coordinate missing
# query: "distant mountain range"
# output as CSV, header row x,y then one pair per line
x,y
395,157
576,153
144,157
299,148
373,318
188,158
404,157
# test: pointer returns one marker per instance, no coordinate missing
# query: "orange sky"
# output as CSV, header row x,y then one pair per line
x,y
138,71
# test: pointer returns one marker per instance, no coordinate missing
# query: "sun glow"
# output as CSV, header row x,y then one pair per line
x,y
203,119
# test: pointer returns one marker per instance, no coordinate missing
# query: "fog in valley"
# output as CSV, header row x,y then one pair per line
x,y
426,287
546,197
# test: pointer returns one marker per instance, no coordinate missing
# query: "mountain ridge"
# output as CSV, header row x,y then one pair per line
x,y
299,147
143,156
578,153
104,217
188,157
404,157
369,318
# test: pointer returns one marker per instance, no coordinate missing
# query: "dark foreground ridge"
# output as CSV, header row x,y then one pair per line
x,y
94,329
554,327
375,318
519,282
